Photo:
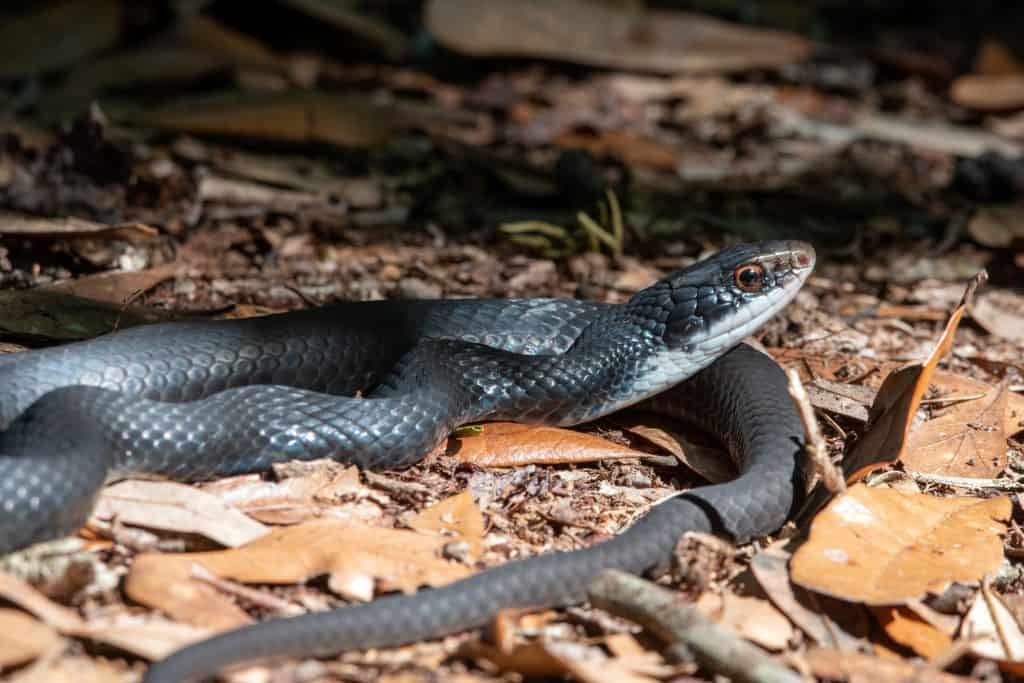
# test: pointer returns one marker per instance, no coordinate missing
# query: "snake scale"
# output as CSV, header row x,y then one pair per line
x,y
379,384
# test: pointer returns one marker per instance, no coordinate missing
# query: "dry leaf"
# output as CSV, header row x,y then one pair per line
x,y
629,147
311,494
825,620
457,515
604,34
589,664
996,226
959,385
895,404
967,440
989,92
711,463
907,628
879,546
993,633
23,638
23,225
294,116
994,57
78,669
509,444
115,287
755,619
51,316
548,659
997,320
530,659
22,594
855,667
176,507
146,637
353,555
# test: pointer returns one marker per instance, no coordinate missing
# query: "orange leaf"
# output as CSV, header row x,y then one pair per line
x,y
458,515
856,667
897,401
880,546
905,627
711,463
755,619
967,440
22,638
355,556
509,444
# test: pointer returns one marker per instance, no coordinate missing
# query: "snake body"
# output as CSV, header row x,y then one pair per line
x,y
203,399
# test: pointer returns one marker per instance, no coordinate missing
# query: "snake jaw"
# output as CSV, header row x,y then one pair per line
x,y
710,312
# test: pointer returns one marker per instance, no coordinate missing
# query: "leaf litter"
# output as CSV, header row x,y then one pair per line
x,y
268,229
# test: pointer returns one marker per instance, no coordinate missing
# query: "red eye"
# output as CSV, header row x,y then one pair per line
x,y
749,277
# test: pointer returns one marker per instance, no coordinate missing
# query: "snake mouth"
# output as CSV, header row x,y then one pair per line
x,y
788,257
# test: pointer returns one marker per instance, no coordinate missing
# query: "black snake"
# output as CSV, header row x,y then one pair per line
x,y
196,400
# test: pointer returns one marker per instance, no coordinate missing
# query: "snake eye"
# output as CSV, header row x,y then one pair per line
x,y
749,277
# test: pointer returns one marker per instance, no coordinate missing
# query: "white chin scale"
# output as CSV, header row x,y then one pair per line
x,y
670,367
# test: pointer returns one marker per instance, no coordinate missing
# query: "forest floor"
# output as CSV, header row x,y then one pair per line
x,y
315,181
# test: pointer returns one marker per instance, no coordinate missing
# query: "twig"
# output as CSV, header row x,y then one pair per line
x,y
1003,484
396,485
256,597
816,449
660,611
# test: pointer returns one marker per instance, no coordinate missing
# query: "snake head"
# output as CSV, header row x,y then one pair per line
x,y
709,307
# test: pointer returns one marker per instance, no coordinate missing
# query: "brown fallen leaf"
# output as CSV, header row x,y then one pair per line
x,y
755,619
176,507
152,638
23,638
882,547
23,225
589,664
849,400
856,667
959,385
711,463
629,147
43,315
989,92
312,493
603,34
115,287
896,403
997,320
22,594
993,633
827,621
294,116
548,659
996,226
907,628
355,557
247,194
74,669
967,440
456,516
509,444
